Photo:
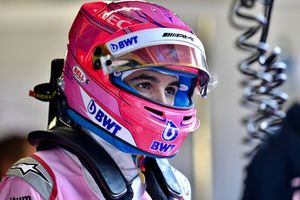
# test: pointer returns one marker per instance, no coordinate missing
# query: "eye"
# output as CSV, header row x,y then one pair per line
x,y
171,91
144,85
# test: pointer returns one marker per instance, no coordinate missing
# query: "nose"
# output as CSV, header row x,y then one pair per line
x,y
160,96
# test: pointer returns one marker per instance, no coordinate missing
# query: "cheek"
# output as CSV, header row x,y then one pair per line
x,y
171,100
146,92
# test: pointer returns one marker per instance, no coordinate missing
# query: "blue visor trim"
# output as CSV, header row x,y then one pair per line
x,y
184,97
122,146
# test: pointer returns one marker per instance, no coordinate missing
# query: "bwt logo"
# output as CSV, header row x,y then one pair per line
x,y
105,121
161,147
123,43
171,132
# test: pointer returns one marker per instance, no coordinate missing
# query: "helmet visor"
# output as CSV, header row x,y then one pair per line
x,y
157,55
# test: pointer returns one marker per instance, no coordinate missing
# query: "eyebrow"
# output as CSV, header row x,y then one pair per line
x,y
145,77
175,83
152,78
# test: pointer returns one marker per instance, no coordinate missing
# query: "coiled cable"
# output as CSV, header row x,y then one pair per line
x,y
263,70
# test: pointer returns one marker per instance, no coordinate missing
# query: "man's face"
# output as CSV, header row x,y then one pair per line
x,y
154,85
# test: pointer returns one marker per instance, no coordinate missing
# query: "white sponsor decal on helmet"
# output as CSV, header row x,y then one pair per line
x,y
183,87
123,43
111,18
150,37
104,120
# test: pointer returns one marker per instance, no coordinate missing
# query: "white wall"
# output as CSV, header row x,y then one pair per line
x,y
33,33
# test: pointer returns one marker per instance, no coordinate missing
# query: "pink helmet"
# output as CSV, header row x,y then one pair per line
x,y
106,40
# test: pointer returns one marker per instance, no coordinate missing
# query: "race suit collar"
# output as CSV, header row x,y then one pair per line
x,y
123,160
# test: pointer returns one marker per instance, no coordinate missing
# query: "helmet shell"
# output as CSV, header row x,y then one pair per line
x,y
129,122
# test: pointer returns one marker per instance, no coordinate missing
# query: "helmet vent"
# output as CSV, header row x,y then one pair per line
x,y
157,112
96,58
185,118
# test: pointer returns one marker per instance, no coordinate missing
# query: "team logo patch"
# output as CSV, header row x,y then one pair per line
x,y
27,168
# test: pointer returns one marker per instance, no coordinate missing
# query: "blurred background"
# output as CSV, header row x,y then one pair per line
x,y
33,32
